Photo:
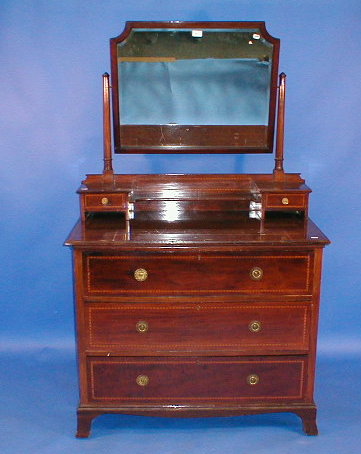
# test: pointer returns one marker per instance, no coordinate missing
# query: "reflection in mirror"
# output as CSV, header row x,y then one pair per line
x,y
207,78
195,92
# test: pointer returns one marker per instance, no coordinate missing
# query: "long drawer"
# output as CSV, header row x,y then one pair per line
x,y
237,327
129,380
288,273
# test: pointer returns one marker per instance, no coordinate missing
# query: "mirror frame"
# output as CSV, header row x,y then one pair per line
x,y
193,138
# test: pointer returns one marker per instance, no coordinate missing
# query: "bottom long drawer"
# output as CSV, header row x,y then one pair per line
x,y
190,380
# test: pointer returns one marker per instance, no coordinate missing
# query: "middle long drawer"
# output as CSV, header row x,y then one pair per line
x,y
255,328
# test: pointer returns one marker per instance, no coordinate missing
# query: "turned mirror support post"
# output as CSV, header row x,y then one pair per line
x,y
107,141
278,171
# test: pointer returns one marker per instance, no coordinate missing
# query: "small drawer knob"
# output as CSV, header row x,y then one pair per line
x,y
253,379
285,201
255,326
105,201
142,326
140,274
142,380
256,273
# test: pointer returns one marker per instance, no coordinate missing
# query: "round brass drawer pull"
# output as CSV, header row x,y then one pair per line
x,y
142,380
140,274
255,326
285,201
253,379
105,201
142,326
256,273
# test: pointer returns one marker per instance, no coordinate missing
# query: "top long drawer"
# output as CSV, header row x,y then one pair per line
x,y
197,274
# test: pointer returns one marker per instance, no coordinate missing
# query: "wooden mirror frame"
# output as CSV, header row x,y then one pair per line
x,y
193,138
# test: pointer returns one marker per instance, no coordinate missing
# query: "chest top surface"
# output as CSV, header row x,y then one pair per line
x,y
200,229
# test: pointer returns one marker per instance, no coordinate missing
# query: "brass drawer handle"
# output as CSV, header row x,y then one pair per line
x,y
142,326
256,273
253,379
105,201
142,380
140,274
285,201
255,326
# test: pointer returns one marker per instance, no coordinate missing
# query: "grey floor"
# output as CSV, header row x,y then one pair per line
x,y
38,398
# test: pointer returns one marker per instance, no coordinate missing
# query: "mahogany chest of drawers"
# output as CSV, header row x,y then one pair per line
x,y
196,295
198,328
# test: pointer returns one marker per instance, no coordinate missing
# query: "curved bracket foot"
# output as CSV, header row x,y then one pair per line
x,y
308,417
85,419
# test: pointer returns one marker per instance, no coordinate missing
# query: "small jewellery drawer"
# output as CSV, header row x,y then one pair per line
x,y
187,274
238,327
196,380
105,201
284,200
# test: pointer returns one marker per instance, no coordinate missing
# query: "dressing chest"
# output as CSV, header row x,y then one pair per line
x,y
196,295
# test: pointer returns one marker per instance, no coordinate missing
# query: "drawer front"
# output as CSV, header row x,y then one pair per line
x,y
163,274
105,202
238,327
285,200
195,380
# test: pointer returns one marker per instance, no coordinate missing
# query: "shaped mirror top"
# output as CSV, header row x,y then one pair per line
x,y
194,87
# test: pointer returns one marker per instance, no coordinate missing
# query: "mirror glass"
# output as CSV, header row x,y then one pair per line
x,y
191,82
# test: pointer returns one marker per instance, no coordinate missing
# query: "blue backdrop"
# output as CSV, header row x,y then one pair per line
x,y
53,54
